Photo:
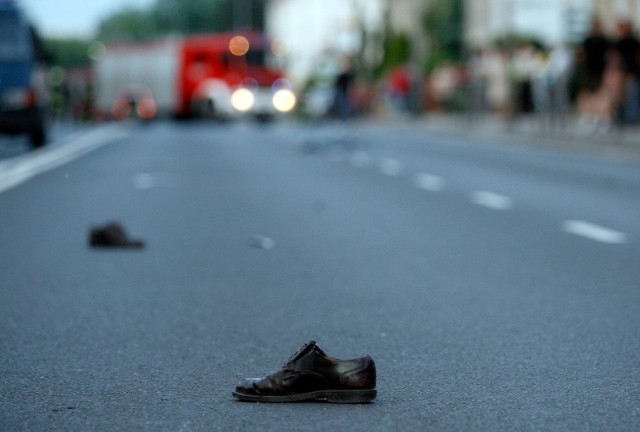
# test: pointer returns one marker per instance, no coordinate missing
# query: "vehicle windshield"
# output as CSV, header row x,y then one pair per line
x,y
256,57
14,38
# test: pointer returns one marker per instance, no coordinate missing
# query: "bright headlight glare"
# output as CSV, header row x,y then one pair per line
x,y
243,99
284,100
147,108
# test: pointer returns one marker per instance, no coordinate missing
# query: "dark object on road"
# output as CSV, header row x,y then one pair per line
x,y
310,374
112,234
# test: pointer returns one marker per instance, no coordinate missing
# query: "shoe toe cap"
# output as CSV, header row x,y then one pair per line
x,y
247,386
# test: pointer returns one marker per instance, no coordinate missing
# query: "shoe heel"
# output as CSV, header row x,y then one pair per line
x,y
351,396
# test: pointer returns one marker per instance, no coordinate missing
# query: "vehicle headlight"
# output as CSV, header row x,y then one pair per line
x,y
243,99
147,108
121,108
284,100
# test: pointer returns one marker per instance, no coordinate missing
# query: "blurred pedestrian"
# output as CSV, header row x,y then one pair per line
x,y
477,77
599,81
550,85
400,88
495,68
525,65
595,48
628,49
559,69
598,108
343,91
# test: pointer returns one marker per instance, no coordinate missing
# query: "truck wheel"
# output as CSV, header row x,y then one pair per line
x,y
38,136
210,109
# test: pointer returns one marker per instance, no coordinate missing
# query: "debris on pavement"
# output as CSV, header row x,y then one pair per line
x,y
262,242
311,375
112,235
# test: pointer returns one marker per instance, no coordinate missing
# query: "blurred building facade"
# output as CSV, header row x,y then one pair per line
x,y
315,32
611,11
553,22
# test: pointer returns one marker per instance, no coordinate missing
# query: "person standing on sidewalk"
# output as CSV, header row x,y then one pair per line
x,y
628,50
595,49
343,103
601,80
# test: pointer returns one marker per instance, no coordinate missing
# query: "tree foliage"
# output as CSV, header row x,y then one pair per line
x,y
182,17
396,52
128,24
162,18
395,46
67,52
444,24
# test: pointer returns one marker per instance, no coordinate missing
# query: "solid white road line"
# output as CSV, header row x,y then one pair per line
x,y
391,167
594,232
16,171
429,182
491,200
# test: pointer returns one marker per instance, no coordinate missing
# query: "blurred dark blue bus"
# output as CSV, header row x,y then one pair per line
x,y
23,77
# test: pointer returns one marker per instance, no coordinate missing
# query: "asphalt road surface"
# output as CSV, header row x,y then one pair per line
x,y
496,286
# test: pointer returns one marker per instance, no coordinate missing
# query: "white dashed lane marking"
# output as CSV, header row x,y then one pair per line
x,y
430,182
144,181
594,232
482,198
491,200
391,167
14,172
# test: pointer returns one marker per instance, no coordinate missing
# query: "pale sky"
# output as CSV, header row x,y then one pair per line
x,y
73,17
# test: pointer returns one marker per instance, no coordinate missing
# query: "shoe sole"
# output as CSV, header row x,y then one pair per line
x,y
332,396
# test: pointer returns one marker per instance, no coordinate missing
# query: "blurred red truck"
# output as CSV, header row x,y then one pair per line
x,y
222,75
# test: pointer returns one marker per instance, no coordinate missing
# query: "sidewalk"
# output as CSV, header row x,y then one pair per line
x,y
569,134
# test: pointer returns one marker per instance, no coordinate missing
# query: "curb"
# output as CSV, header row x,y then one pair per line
x,y
614,142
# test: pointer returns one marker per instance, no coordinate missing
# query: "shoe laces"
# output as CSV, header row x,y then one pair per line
x,y
300,351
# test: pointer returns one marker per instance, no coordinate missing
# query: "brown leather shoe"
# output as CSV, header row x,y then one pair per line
x,y
310,374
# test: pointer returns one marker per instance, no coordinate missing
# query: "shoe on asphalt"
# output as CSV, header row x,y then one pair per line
x,y
112,234
310,374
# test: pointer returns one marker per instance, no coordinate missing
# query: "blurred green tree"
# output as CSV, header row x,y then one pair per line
x,y
396,46
67,52
129,23
444,26
183,17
